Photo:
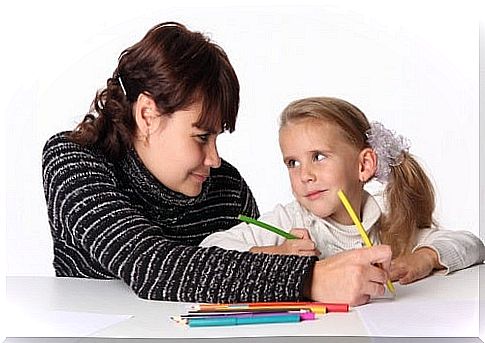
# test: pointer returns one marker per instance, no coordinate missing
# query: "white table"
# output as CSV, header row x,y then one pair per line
x,y
51,301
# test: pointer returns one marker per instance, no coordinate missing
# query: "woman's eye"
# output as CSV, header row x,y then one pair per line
x,y
319,157
204,138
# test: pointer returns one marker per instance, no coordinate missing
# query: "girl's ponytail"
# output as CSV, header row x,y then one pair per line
x,y
410,198
409,194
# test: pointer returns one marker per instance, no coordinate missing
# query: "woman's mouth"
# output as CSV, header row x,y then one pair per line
x,y
200,177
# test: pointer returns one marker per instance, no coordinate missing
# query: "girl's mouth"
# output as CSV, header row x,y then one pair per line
x,y
313,195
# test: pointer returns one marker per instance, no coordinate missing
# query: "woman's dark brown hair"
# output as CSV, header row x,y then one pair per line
x,y
174,66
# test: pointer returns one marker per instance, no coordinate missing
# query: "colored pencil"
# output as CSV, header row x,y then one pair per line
x,y
258,318
266,226
302,313
316,309
330,307
345,201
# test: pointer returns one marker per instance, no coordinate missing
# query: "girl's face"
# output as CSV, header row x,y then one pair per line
x,y
320,162
179,154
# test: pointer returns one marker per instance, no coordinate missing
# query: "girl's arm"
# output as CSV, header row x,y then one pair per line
x,y
438,250
249,237
89,214
243,236
455,249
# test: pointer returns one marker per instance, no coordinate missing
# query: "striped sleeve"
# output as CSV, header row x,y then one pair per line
x,y
249,208
88,212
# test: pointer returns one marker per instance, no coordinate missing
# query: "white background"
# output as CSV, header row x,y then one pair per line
x,y
412,66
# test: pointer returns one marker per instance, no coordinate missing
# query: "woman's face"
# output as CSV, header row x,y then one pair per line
x,y
179,154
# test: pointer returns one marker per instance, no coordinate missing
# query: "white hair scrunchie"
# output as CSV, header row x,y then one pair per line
x,y
389,148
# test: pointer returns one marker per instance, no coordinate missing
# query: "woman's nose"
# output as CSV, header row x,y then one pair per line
x,y
212,158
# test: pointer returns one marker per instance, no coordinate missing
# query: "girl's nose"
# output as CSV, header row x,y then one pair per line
x,y
307,174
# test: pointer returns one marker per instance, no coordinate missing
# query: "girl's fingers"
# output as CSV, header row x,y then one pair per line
x,y
302,244
300,233
405,279
308,253
397,271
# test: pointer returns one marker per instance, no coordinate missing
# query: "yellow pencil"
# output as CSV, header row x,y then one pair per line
x,y
361,229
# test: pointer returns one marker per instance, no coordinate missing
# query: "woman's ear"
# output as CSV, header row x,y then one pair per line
x,y
367,164
146,116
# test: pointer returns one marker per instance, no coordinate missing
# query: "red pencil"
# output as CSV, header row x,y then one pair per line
x,y
330,307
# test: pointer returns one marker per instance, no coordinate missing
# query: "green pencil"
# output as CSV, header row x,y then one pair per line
x,y
267,227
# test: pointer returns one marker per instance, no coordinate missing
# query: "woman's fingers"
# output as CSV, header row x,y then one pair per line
x,y
377,274
378,254
351,276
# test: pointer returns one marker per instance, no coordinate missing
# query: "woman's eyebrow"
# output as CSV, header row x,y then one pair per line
x,y
209,131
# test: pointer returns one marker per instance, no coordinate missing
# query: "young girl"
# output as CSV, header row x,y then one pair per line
x,y
328,144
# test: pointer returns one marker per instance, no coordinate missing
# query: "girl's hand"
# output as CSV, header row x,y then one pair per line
x,y
303,246
411,267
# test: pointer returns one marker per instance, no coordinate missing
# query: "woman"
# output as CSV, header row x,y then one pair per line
x,y
139,183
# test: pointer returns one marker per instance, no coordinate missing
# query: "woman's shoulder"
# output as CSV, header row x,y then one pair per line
x,y
60,147
60,140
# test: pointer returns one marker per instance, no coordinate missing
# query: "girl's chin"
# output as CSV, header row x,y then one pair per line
x,y
316,210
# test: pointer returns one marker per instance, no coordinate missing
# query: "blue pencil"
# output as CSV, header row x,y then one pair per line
x,y
243,320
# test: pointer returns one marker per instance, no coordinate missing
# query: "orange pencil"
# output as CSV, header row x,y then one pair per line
x,y
331,307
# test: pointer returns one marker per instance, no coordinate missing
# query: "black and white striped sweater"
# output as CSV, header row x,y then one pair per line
x,y
115,220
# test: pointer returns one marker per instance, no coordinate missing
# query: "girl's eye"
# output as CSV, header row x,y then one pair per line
x,y
292,163
319,157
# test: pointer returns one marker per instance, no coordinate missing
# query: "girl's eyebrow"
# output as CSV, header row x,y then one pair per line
x,y
323,151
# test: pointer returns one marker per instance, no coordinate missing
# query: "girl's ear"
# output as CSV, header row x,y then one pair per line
x,y
146,115
367,164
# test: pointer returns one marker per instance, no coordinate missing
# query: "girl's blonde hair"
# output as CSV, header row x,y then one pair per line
x,y
409,193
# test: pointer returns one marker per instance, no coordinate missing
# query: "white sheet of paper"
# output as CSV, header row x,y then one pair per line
x,y
58,323
425,318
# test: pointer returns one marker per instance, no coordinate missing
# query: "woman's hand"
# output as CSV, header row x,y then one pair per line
x,y
303,246
411,267
350,277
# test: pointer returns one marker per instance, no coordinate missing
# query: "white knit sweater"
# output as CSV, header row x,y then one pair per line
x,y
455,249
